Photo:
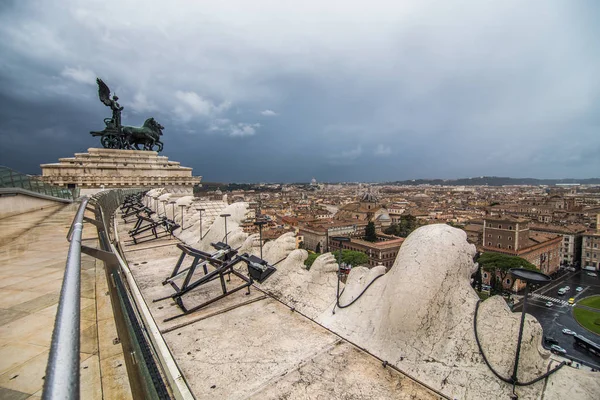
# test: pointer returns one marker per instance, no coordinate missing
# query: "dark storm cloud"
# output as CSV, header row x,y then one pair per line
x,y
259,91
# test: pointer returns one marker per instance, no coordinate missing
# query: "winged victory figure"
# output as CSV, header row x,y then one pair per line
x,y
104,94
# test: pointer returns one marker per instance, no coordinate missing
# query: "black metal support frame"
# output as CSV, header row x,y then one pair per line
x,y
137,211
223,261
145,224
199,259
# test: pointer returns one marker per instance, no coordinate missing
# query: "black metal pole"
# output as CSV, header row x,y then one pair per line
x,y
182,206
261,243
514,374
200,211
225,216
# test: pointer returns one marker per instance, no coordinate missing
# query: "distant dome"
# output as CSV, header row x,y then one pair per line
x,y
369,197
384,217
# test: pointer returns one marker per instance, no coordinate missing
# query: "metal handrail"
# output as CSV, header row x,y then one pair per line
x,y
62,371
10,178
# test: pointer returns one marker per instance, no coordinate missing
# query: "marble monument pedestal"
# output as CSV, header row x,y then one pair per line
x,y
107,168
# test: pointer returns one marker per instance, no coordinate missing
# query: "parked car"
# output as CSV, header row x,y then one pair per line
x,y
561,291
550,340
591,273
567,288
557,349
568,332
549,304
572,300
578,289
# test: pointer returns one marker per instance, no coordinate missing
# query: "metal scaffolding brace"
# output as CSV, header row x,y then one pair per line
x,y
223,261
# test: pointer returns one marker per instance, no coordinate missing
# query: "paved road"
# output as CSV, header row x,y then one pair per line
x,y
554,319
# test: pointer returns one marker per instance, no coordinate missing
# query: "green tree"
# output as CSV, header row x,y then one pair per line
x,y
391,230
500,264
407,224
310,259
370,234
352,257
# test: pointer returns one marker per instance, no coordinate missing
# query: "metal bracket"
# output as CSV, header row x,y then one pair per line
x,y
105,256
98,224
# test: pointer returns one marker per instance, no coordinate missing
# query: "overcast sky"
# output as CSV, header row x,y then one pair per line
x,y
253,90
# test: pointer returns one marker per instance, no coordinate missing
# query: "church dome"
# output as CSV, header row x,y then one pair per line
x,y
369,197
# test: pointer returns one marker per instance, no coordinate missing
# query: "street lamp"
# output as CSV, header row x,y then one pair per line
x,y
200,211
226,233
164,203
172,202
340,239
260,224
156,205
182,206
529,277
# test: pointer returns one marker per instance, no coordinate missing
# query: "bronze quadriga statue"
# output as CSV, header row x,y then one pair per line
x,y
117,136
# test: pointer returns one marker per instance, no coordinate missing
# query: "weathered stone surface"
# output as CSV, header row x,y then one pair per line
x,y
109,168
419,317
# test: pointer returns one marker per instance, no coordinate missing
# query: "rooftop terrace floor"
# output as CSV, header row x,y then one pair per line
x,y
33,252
251,346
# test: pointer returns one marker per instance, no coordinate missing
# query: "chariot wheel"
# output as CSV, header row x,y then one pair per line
x,y
110,141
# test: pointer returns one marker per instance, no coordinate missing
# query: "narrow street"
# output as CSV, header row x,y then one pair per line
x,y
559,316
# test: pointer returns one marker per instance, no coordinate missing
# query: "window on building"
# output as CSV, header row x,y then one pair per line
x,y
499,226
499,237
490,243
485,275
510,227
510,238
587,254
508,281
490,235
499,246
509,247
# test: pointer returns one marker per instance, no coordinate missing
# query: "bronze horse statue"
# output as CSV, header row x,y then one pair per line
x,y
117,136
147,135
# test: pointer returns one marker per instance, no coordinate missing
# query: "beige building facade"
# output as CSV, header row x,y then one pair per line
x,y
108,168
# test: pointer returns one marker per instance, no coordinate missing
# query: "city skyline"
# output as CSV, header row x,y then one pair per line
x,y
266,92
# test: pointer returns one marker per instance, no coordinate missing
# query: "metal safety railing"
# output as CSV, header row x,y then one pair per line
x,y
10,178
149,361
62,371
